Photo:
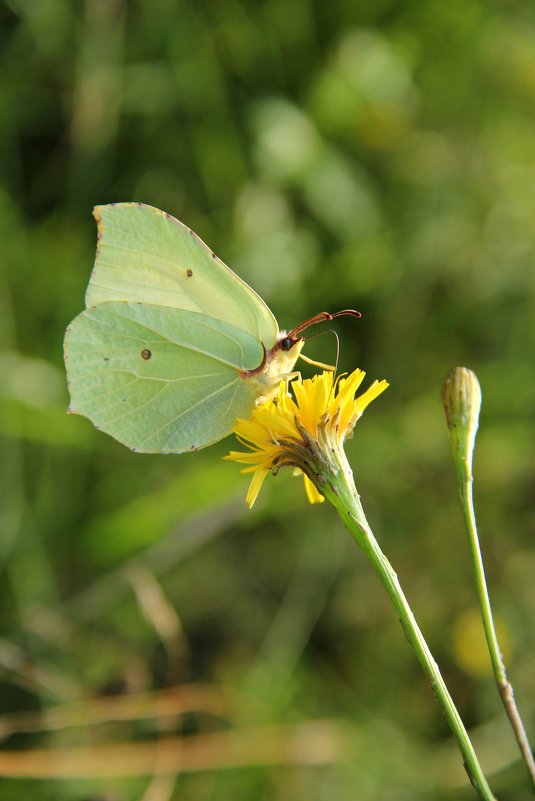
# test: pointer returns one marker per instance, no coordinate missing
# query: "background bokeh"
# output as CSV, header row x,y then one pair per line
x,y
374,155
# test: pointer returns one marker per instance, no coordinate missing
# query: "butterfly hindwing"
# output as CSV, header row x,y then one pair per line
x,y
159,379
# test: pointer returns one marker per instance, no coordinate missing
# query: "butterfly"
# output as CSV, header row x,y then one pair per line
x,y
173,346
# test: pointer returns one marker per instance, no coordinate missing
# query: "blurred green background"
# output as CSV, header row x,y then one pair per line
x,y
374,155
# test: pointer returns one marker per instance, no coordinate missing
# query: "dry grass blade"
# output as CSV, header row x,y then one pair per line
x,y
314,743
163,704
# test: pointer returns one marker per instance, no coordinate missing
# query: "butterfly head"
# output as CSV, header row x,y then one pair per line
x,y
279,362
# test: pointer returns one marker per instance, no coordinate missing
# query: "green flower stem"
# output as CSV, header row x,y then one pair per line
x,y
340,490
461,398
504,687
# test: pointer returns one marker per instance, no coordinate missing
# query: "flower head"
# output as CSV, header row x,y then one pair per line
x,y
306,432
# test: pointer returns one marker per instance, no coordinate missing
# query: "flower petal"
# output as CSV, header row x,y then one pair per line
x,y
255,486
371,393
313,494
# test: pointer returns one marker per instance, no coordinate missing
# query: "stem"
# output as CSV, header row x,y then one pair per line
x,y
505,689
341,492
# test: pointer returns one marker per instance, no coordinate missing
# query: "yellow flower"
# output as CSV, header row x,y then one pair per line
x,y
306,433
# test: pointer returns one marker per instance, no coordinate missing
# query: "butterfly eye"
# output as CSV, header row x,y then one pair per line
x,y
286,343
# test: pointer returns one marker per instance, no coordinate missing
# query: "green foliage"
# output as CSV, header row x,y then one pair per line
x,y
377,156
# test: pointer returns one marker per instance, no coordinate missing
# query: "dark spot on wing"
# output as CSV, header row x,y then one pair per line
x,y
194,448
189,272
213,254
146,354
106,358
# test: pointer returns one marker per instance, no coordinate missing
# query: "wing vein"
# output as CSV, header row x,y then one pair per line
x,y
114,389
136,409
116,370
191,347
150,254
189,409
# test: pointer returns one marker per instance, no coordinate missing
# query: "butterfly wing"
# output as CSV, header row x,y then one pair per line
x,y
159,379
148,256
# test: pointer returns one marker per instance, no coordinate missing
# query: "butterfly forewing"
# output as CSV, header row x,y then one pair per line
x,y
145,255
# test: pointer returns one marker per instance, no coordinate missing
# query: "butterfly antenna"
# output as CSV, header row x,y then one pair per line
x,y
319,318
337,349
313,362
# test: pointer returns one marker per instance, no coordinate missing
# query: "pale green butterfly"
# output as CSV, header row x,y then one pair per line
x,y
173,347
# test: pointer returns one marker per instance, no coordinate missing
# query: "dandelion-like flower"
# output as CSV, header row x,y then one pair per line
x,y
305,432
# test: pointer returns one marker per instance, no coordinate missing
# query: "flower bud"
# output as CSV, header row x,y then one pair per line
x,y
461,398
